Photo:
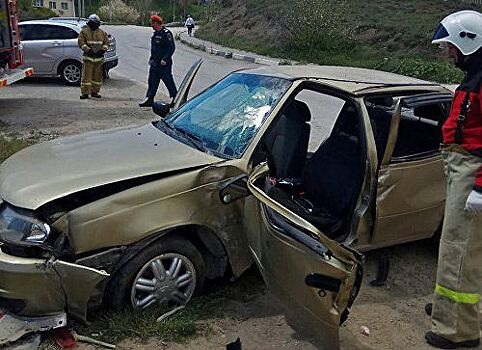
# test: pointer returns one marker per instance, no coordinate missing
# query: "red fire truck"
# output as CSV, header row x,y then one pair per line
x,y
11,57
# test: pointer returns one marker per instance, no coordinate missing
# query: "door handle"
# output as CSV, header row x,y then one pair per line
x,y
56,43
324,283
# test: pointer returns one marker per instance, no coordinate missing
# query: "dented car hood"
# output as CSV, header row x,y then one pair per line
x,y
54,169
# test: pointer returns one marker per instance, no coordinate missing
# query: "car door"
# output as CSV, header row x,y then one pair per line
x,y
41,47
68,37
315,278
183,91
411,183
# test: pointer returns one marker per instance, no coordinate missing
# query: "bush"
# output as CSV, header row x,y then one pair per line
x,y
116,11
314,25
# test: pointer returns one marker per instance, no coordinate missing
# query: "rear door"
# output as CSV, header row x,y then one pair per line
x,y
411,182
314,277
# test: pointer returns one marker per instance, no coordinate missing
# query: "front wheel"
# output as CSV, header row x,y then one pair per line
x,y
71,72
166,273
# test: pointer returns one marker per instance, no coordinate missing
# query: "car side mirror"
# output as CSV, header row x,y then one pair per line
x,y
161,109
234,189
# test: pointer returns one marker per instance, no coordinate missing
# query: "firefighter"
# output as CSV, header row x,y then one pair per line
x,y
162,49
455,309
94,43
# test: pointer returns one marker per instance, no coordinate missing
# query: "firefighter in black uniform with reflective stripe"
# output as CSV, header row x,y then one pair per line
x,y
162,49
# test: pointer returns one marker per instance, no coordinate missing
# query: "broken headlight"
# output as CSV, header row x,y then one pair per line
x,y
19,227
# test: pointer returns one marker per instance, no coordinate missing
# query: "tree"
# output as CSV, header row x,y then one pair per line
x,y
116,11
144,7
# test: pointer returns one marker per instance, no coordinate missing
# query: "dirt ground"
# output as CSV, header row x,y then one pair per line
x,y
41,109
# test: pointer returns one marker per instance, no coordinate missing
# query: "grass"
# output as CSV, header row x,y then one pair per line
x,y
216,302
9,144
387,35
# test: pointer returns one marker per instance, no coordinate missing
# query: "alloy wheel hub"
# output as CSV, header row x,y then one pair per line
x,y
168,279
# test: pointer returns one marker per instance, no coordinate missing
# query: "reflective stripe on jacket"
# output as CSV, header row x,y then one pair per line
x,y
93,40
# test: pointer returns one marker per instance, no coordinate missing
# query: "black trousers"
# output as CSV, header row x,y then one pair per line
x,y
156,74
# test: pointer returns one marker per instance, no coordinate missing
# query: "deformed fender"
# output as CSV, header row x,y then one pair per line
x,y
79,284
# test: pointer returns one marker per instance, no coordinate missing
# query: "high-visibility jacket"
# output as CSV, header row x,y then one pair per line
x,y
94,40
469,93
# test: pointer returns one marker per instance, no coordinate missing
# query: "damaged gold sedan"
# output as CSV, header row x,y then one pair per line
x,y
292,167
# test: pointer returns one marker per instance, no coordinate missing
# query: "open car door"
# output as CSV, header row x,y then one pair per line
x,y
185,86
315,278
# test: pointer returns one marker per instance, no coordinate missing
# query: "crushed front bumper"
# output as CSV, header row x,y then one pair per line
x,y
13,327
37,287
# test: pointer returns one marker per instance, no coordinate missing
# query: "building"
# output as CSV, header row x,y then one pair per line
x,y
64,8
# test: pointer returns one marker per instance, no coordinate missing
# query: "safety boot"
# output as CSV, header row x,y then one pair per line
x,y
146,103
440,342
84,97
96,95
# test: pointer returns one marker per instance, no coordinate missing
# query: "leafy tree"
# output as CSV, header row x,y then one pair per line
x,y
116,11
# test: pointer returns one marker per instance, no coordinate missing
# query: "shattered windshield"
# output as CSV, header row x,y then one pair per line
x,y
224,119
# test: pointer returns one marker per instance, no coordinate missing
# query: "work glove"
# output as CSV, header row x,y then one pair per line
x,y
474,202
90,53
100,53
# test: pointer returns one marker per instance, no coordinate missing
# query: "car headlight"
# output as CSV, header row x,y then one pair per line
x,y
22,228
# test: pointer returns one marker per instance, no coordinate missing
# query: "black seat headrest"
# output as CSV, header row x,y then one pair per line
x,y
303,111
297,110
347,120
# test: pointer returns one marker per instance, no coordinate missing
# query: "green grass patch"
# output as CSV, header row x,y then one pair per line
x,y
216,302
9,144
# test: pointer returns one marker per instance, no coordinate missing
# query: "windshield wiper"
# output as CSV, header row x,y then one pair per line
x,y
166,124
194,139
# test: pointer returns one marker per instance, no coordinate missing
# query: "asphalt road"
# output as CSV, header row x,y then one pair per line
x,y
133,47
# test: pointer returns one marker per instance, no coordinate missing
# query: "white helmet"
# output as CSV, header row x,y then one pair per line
x,y
462,29
93,18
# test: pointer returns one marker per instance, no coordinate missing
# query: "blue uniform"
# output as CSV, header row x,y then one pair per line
x,y
162,48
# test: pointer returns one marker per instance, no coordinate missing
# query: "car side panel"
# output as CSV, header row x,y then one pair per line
x,y
410,200
187,199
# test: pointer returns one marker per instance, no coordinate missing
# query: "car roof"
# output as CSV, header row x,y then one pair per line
x,y
357,81
70,24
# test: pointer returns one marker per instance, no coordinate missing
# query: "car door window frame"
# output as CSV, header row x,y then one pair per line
x,y
363,202
25,30
45,31
411,102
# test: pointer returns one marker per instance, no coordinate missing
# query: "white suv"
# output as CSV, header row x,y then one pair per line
x,y
50,48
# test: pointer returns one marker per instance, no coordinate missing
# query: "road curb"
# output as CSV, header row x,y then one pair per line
x,y
196,44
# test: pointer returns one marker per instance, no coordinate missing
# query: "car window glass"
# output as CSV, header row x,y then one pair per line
x,y
324,110
227,116
51,32
25,32
419,131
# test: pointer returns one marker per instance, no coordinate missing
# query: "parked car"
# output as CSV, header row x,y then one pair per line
x,y
293,167
50,47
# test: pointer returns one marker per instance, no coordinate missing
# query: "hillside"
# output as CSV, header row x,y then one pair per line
x,y
389,35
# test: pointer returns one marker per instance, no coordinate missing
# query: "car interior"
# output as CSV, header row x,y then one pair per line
x,y
419,130
322,187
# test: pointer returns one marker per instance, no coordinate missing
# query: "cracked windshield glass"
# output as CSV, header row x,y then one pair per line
x,y
225,118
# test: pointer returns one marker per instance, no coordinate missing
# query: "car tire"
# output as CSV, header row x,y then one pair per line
x,y
122,290
71,73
